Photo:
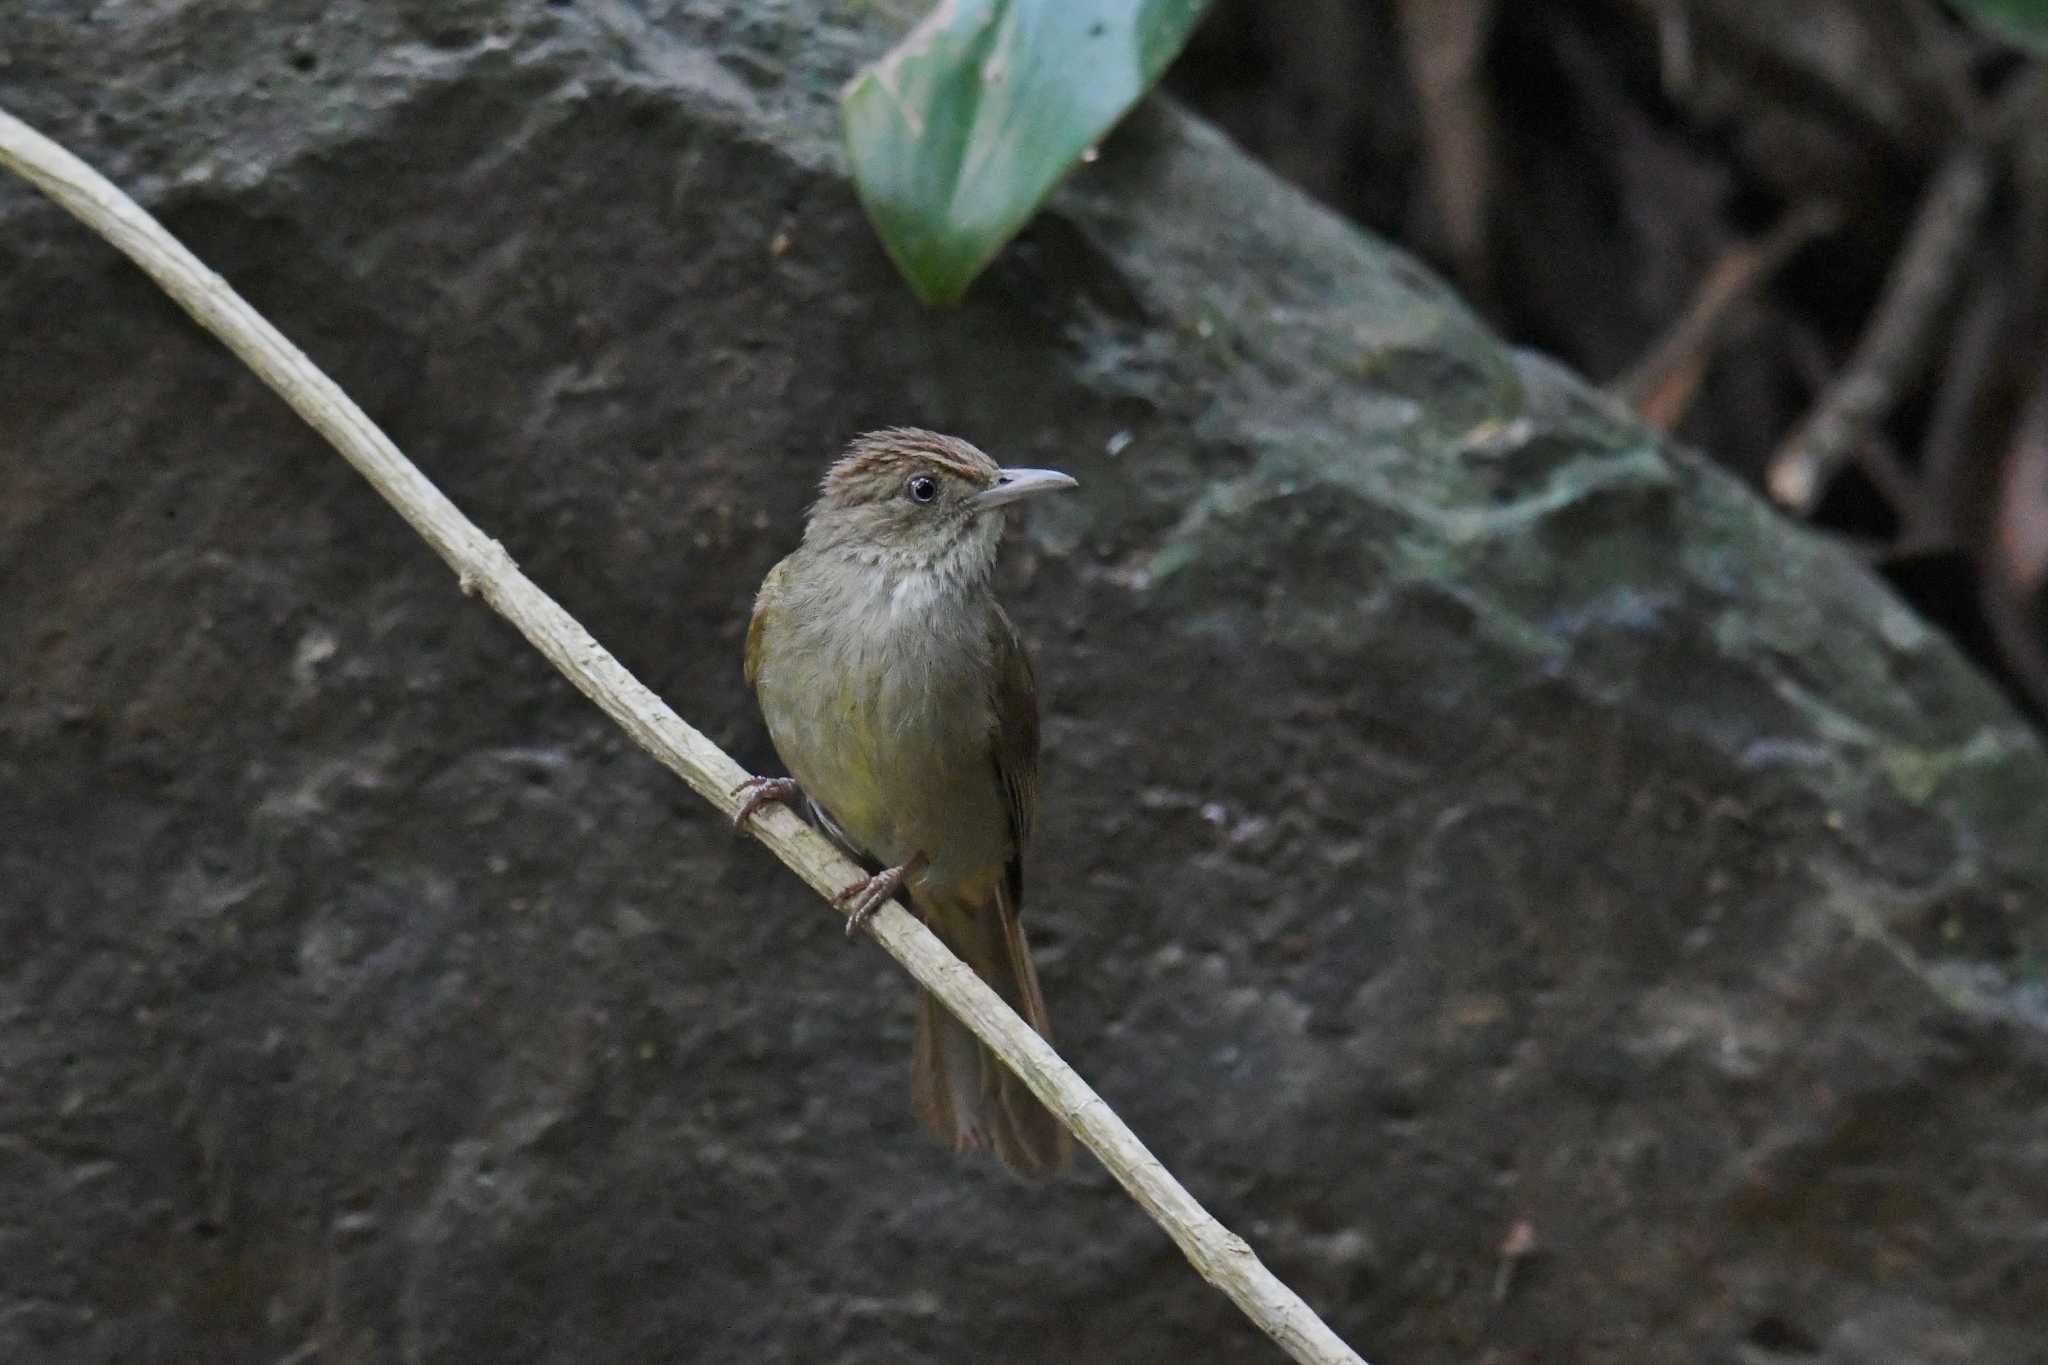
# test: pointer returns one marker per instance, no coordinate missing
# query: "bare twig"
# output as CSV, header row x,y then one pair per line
x,y
1966,403
1895,344
2013,552
1897,482
1662,385
2017,566
1445,41
2021,543
483,566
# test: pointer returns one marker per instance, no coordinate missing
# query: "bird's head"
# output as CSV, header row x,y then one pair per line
x,y
907,498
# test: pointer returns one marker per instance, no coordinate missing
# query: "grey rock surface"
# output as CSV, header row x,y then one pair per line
x,y
1460,811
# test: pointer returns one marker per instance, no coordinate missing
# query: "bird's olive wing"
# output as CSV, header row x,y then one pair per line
x,y
765,601
1015,704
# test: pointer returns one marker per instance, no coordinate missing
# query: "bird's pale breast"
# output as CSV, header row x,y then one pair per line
x,y
876,696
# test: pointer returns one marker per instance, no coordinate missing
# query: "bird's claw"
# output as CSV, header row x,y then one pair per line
x,y
760,791
863,899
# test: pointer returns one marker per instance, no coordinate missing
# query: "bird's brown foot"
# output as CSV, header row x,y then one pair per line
x,y
862,899
760,791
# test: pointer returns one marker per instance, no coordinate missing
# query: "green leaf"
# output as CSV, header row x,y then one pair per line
x,y
960,132
2023,21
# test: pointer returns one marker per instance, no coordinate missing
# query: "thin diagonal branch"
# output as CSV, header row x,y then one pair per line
x,y
1663,384
1900,336
1899,339
483,567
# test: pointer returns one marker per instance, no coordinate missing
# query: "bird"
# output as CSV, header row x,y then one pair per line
x,y
900,698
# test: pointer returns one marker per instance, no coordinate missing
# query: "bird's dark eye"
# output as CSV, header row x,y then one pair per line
x,y
923,488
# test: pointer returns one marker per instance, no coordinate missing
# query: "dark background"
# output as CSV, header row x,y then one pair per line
x,y
1587,170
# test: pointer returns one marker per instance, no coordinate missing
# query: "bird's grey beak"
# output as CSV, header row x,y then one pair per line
x,y
1012,484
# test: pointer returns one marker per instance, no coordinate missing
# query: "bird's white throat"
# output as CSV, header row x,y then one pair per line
x,y
915,591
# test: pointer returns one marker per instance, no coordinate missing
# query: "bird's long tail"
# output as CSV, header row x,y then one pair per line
x,y
959,1088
